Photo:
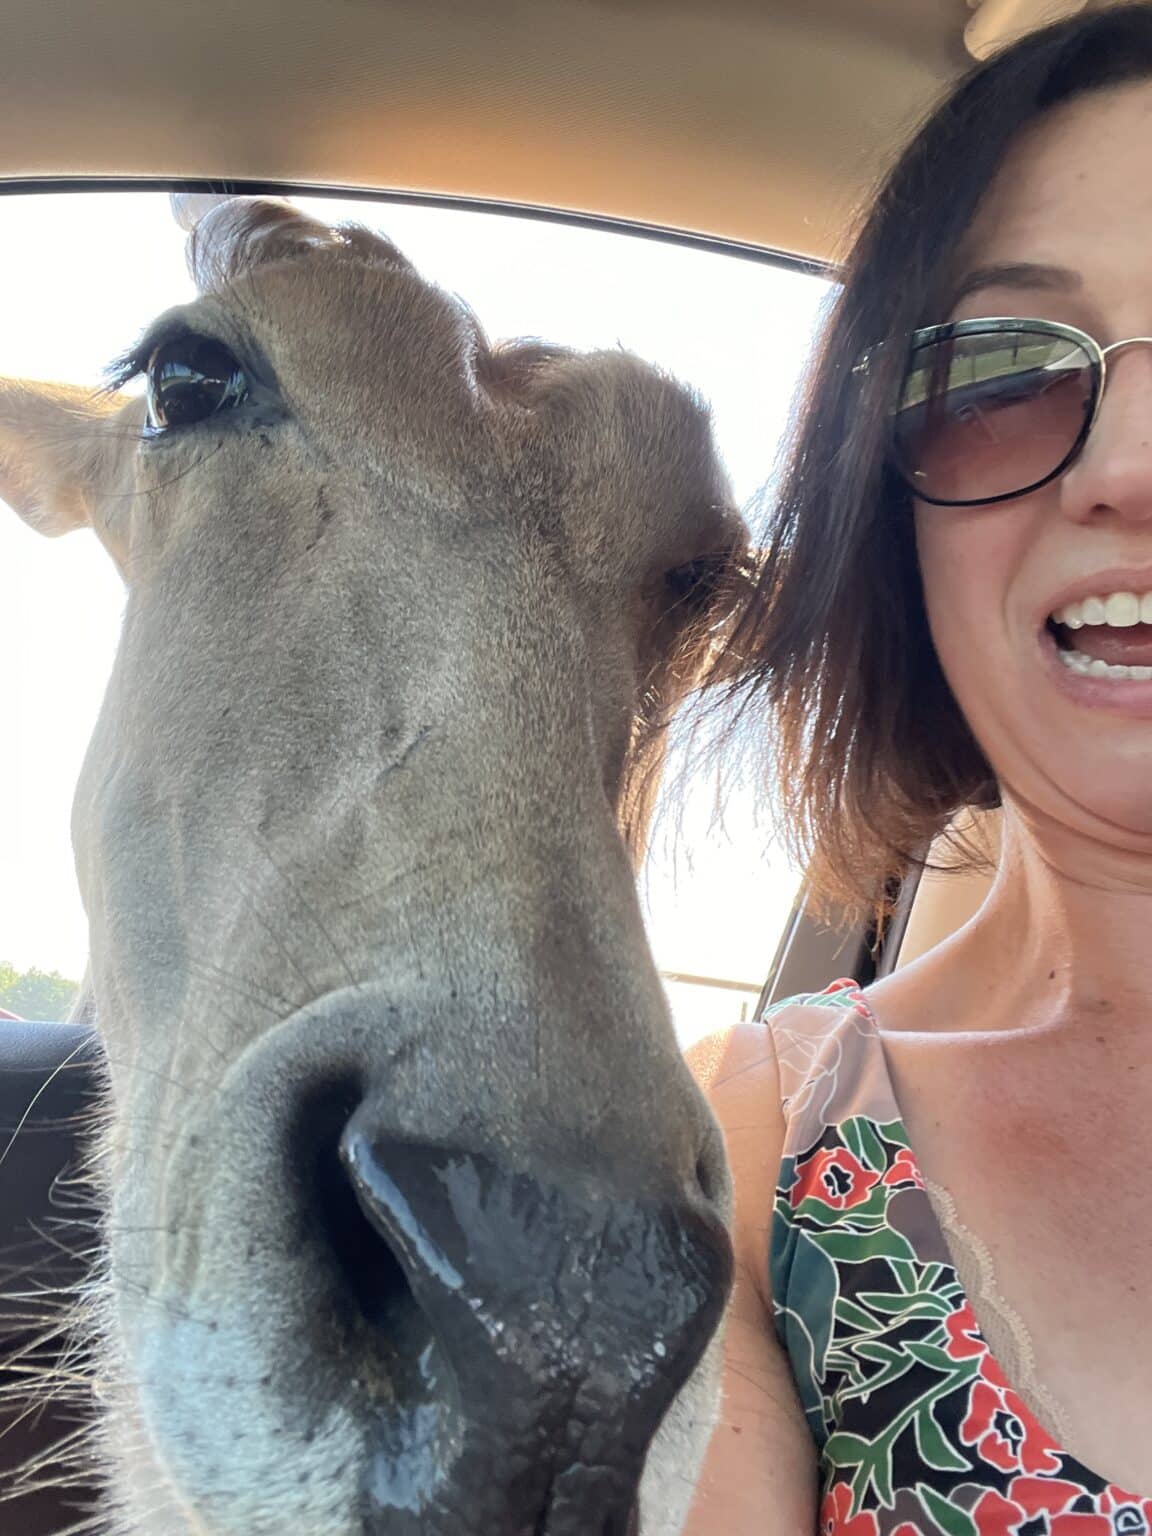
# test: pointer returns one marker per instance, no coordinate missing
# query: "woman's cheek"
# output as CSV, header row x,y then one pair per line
x,y
966,564
951,596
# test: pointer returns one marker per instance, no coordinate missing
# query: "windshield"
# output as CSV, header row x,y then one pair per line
x,y
82,274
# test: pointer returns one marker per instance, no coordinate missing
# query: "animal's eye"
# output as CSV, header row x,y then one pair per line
x,y
191,378
695,585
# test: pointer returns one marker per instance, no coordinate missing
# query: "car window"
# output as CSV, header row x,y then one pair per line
x,y
80,276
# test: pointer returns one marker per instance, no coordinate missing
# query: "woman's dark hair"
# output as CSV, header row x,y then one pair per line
x,y
871,752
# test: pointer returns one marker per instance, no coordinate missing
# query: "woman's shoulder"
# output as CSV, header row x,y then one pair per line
x,y
779,1048
810,1024
760,1072
831,1066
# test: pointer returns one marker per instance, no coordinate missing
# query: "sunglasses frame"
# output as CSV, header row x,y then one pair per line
x,y
997,325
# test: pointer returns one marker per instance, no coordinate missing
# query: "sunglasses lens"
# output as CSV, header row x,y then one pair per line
x,y
991,414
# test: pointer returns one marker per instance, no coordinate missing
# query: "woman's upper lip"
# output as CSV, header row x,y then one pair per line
x,y
1136,579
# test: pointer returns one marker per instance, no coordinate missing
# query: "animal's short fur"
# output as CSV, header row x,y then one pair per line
x,y
401,638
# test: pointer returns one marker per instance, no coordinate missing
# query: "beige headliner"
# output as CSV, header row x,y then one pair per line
x,y
754,120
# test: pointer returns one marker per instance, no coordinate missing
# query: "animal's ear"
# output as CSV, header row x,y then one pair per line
x,y
54,452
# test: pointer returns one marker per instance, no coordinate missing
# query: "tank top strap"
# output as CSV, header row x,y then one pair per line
x,y
831,1063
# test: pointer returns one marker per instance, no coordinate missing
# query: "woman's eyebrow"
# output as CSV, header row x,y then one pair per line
x,y
1017,274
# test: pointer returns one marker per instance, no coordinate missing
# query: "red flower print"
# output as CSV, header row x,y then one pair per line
x,y
1129,1516
835,1519
1038,1506
835,1177
1003,1431
904,1170
963,1341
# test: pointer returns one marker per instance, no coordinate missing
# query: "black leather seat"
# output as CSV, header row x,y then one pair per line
x,y
49,1085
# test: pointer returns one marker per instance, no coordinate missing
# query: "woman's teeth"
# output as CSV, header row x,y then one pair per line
x,y
1118,610
1076,661
1116,638
1115,610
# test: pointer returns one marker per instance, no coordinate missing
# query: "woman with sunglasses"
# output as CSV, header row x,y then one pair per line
x,y
942,1324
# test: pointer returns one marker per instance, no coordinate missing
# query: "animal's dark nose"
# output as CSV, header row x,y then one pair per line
x,y
528,1334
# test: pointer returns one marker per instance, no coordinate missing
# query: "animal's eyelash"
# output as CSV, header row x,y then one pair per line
x,y
704,580
133,363
121,371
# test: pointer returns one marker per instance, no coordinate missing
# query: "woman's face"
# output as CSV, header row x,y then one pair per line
x,y
1074,197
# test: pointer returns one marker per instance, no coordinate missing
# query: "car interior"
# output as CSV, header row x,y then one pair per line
x,y
752,126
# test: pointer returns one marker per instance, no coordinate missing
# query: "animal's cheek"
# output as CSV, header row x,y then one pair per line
x,y
112,523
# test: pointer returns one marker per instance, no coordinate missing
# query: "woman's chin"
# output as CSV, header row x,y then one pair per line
x,y
1087,801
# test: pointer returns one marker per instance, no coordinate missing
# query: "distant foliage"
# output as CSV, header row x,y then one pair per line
x,y
35,994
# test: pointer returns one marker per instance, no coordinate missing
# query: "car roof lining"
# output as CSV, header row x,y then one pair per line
x,y
757,121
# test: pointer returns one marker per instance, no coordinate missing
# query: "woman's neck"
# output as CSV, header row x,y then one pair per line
x,y
1066,931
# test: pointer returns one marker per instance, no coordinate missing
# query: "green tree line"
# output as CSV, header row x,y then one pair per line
x,y
35,994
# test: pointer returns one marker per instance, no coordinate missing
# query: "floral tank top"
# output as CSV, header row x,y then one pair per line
x,y
918,1431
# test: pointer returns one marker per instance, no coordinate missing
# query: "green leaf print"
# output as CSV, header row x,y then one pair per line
x,y
873,1466
868,1214
915,1304
881,1473
894,1363
845,1450
786,1178
807,1339
940,1360
862,1140
859,1247
856,1318
876,1349
906,1273
893,1132
934,1448
952,1521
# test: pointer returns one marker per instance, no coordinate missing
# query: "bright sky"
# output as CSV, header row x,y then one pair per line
x,y
80,277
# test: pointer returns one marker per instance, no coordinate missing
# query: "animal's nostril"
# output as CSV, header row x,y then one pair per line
x,y
712,1171
366,1285
627,1525
704,1177
459,1288
374,1348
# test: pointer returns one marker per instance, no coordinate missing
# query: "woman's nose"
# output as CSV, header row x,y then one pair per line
x,y
1112,478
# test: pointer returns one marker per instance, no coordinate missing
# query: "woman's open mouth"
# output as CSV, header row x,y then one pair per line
x,y
1108,637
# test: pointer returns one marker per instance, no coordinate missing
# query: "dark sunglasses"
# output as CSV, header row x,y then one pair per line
x,y
992,409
